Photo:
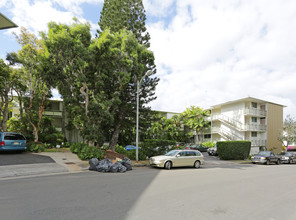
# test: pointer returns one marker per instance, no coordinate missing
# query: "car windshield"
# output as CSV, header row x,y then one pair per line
x,y
264,153
171,153
289,154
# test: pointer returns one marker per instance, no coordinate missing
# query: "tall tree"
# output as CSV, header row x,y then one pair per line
x,y
34,66
121,61
196,119
288,136
130,15
68,49
6,85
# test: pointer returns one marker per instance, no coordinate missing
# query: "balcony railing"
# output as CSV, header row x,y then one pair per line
x,y
258,143
255,112
255,127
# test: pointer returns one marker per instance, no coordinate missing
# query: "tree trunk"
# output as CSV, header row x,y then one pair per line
x,y
5,113
115,136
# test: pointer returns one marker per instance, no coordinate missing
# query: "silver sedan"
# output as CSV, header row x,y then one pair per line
x,y
178,158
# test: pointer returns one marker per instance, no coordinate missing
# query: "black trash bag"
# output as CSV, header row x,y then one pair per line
x,y
121,168
93,163
127,163
104,165
115,167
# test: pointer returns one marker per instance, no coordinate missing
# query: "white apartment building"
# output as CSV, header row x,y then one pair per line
x,y
250,119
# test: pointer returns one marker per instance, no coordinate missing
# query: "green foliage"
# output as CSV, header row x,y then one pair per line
x,y
233,150
208,144
36,147
85,152
77,147
196,119
132,154
155,147
288,135
129,14
88,152
120,149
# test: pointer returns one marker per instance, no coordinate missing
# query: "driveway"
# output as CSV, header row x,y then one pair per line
x,y
15,158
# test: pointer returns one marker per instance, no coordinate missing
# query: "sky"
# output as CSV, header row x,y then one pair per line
x,y
206,52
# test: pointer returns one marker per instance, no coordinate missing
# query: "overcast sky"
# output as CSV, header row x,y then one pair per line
x,y
207,52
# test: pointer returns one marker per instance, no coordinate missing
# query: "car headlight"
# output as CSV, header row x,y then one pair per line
x,y
252,157
264,158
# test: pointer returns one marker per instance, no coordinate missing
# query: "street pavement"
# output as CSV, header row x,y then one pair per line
x,y
247,192
44,163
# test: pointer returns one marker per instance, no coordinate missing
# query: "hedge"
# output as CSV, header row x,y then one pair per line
x,y
153,147
233,150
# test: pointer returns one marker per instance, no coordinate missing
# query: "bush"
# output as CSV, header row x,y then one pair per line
x,y
208,144
88,153
77,147
132,154
233,150
85,152
153,147
36,147
121,150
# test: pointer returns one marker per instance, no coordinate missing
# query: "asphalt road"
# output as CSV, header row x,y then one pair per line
x,y
230,191
16,158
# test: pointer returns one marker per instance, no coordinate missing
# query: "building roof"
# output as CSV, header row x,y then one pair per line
x,y
6,23
251,99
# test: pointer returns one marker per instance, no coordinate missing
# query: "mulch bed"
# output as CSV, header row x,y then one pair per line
x,y
111,155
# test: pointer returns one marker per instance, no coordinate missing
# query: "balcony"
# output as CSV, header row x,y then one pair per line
x,y
255,127
258,143
255,112
53,113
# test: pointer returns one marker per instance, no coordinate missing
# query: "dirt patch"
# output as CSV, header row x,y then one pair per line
x,y
111,155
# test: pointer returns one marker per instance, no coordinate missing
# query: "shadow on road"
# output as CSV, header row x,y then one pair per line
x,y
17,158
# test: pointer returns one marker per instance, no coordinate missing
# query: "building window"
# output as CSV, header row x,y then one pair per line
x,y
254,105
254,119
254,134
207,136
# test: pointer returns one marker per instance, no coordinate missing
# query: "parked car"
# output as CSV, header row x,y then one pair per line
x,y
212,151
12,141
200,147
178,158
265,157
287,157
131,147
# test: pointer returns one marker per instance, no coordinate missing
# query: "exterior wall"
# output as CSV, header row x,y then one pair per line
x,y
274,126
248,119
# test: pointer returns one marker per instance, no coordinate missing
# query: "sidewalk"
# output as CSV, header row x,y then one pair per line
x,y
64,162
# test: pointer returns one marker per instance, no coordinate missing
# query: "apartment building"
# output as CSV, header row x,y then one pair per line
x,y
250,119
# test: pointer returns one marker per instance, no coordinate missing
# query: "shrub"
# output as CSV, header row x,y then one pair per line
x,y
233,150
153,147
121,150
208,144
77,147
36,147
132,154
88,152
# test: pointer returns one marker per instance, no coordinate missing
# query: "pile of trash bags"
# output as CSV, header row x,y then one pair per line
x,y
106,165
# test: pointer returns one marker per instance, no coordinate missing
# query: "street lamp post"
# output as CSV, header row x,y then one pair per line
x,y
137,122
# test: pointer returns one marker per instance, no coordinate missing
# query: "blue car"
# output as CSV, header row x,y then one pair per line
x,y
131,147
12,141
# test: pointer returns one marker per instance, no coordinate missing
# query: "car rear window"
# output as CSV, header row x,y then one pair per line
x,y
14,137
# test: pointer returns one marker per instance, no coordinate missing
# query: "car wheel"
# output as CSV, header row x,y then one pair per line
x,y
278,162
253,163
267,162
168,165
197,164
291,161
